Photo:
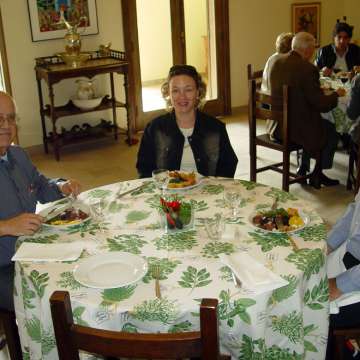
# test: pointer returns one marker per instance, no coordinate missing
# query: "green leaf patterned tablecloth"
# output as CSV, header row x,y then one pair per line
x,y
288,323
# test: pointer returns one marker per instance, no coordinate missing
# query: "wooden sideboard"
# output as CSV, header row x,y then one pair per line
x,y
52,70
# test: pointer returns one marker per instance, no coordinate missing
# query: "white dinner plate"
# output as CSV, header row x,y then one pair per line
x,y
198,178
304,217
110,270
62,207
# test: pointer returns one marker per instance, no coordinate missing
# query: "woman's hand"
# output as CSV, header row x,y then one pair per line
x,y
23,224
334,291
326,71
70,187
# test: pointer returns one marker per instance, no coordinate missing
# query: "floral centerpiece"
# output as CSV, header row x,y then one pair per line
x,y
177,215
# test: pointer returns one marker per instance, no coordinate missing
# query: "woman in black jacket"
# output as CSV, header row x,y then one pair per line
x,y
186,138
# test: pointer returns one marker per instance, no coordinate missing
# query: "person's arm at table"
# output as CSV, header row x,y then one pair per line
x,y
23,224
353,108
341,230
346,282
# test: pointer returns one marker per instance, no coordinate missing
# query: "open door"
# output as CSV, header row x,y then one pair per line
x,y
160,33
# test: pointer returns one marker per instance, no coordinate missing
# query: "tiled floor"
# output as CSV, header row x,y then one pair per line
x,y
104,163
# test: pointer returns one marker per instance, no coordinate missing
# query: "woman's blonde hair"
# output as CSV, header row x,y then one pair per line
x,y
189,71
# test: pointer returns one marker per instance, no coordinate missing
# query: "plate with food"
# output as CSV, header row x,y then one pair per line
x,y
71,215
182,180
280,220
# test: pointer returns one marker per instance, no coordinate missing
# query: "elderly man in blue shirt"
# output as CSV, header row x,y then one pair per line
x,y
344,248
21,187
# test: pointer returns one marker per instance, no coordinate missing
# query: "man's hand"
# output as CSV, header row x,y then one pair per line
x,y
70,187
326,71
329,249
23,224
334,292
341,92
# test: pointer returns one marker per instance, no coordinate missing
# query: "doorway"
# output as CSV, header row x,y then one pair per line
x,y
160,33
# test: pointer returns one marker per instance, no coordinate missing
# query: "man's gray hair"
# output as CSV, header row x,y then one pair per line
x,y
302,40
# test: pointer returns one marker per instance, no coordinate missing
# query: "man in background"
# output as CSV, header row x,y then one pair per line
x,y
307,101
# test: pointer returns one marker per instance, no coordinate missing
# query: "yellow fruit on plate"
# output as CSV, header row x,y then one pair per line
x,y
296,221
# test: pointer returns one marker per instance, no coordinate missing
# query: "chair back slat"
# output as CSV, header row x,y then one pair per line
x,y
71,338
268,107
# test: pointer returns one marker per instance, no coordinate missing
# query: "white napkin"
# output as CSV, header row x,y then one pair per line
x,y
253,275
344,300
48,252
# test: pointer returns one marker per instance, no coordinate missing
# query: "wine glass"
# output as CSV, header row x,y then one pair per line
x,y
160,176
215,227
232,199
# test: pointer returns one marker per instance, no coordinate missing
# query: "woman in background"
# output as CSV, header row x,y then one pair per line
x,y
186,138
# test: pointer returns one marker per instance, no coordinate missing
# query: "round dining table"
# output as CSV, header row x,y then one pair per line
x,y
288,322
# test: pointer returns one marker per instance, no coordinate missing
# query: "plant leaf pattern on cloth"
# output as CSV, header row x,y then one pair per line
x,y
257,350
77,314
116,295
214,249
192,278
27,294
212,189
68,281
284,292
318,296
269,240
131,243
228,309
181,327
39,282
313,233
162,310
310,261
46,239
136,216
38,334
178,241
166,267
290,325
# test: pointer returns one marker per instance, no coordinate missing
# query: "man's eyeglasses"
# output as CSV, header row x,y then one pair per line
x,y
10,118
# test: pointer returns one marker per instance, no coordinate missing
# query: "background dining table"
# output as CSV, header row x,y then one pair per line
x,y
337,116
290,322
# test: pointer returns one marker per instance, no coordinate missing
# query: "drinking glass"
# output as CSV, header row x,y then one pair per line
x,y
232,199
215,227
97,207
160,176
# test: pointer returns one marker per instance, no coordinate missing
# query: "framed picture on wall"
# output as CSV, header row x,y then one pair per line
x,y
306,17
45,16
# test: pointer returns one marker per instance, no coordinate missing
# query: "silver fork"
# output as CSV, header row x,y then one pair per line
x,y
156,276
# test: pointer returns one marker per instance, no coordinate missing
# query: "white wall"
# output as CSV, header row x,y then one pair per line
x,y
254,26
21,52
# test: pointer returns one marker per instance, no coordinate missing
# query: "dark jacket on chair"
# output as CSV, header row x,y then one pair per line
x,y
306,102
162,146
326,56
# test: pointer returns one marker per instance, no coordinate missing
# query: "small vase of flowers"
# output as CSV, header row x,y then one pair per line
x,y
176,215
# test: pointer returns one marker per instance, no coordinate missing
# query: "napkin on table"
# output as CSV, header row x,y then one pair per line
x,y
48,252
252,274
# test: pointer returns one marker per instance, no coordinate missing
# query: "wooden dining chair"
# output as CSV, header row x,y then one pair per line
x,y
353,178
341,336
254,75
71,338
264,107
8,320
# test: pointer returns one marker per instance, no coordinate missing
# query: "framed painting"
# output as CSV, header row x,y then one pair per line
x,y
306,17
45,17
